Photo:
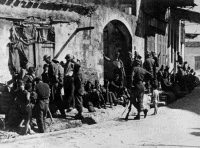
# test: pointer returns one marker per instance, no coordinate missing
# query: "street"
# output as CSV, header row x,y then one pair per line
x,y
177,125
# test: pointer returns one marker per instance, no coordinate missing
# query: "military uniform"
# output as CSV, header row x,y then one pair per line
x,y
137,92
79,90
55,73
69,84
42,104
149,65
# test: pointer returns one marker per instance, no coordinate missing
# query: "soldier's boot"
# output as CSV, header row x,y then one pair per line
x,y
138,116
145,113
129,110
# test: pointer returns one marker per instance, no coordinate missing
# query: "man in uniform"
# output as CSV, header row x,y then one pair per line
x,y
149,65
156,65
118,66
69,82
78,90
137,92
42,104
55,73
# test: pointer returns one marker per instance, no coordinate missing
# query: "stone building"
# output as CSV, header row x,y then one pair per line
x,y
86,29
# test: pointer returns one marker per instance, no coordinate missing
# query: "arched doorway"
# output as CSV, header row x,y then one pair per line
x,y
116,37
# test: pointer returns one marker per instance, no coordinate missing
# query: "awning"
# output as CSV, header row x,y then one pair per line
x,y
183,14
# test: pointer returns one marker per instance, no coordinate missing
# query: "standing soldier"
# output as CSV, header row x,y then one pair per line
x,y
156,65
69,82
42,104
55,73
79,90
149,66
118,66
137,92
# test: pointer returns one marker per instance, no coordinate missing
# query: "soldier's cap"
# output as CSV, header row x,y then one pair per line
x,y
45,57
68,57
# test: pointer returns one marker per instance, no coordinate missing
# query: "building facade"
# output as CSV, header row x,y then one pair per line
x,y
87,29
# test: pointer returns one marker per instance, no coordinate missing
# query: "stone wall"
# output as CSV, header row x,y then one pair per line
x,y
86,45
4,50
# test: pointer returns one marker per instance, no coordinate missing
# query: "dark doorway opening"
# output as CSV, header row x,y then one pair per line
x,y
116,37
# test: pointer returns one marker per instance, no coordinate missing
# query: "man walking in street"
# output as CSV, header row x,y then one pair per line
x,y
137,92
42,104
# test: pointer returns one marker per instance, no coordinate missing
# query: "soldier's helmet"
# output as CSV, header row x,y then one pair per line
x,y
68,57
45,57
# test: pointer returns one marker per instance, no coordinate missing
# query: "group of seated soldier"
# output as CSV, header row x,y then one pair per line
x,y
184,78
101,96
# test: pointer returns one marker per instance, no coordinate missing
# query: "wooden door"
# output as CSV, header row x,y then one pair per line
x,y
40,50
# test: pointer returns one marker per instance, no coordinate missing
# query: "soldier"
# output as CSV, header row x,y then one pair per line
x,y
45,75
156,65
149,65
55,73
137,92
78,91
42,104
118,66
29,77
69,82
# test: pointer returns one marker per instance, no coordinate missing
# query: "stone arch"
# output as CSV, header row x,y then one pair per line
x,y
120,19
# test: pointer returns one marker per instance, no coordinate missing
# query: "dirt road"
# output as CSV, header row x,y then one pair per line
x,y
177,125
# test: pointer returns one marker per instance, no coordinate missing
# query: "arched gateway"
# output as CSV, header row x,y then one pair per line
x,y
116,37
